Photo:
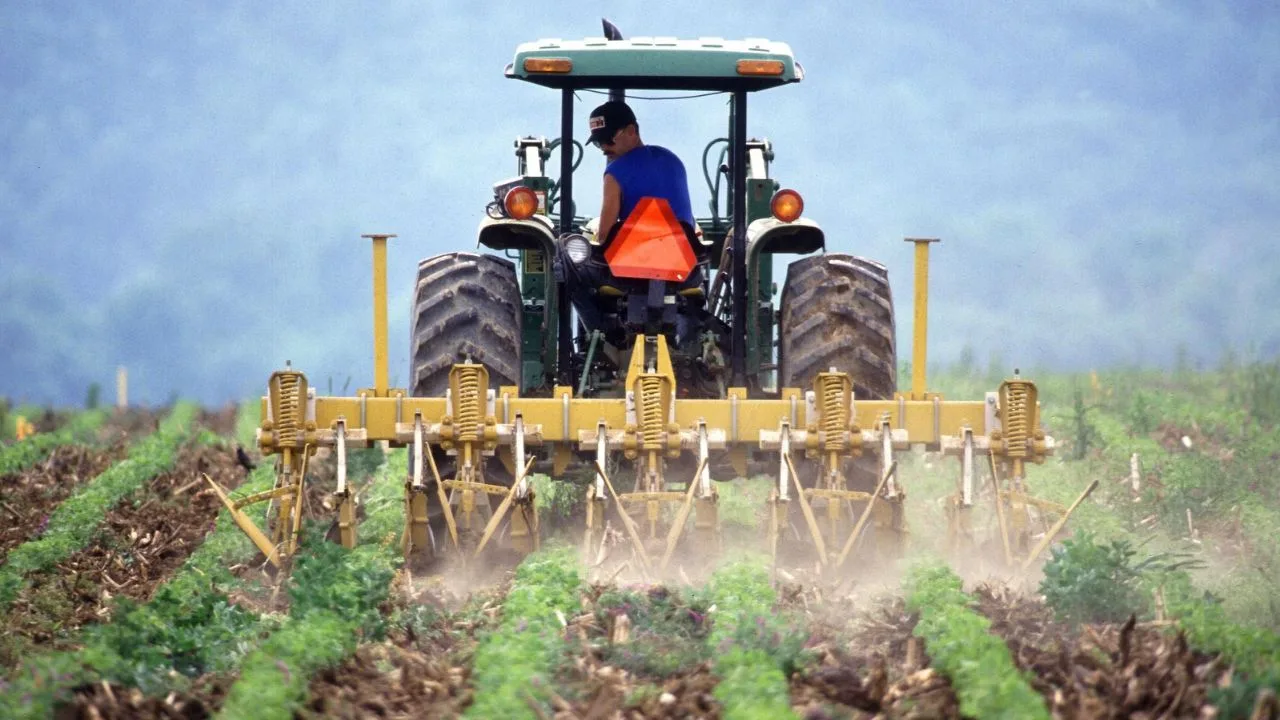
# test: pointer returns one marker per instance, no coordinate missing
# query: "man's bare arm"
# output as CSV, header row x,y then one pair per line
x,y
609,207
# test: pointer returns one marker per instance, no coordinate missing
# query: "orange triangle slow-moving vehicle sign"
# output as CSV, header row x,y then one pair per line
x,y
651,245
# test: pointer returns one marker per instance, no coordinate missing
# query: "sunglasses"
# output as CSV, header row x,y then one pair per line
x,y
601,143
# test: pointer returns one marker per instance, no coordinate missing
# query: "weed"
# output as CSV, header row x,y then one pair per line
x,y
1085,581
1084,435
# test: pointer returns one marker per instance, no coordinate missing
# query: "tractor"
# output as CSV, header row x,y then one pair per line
x,y
679,369
708,317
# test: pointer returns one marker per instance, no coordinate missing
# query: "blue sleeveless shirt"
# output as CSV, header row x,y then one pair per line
x,y
652,171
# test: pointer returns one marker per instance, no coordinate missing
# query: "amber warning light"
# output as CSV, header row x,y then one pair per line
x,y
520,203
548,65
760,67
787,205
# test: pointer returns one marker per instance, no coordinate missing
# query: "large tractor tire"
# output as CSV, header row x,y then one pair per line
x,y
465,305
837,312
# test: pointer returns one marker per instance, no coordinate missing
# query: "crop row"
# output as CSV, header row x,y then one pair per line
x,y
336,596
512,666
1254,651
754,652
186,629
75,521
957,638
27,452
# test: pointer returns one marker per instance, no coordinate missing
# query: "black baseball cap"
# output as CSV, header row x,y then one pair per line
x,y
606,120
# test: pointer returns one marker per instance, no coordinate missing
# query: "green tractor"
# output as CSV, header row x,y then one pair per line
x,y
510,312
721,326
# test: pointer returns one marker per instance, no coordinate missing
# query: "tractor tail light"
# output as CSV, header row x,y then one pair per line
x,y
520,203
786,205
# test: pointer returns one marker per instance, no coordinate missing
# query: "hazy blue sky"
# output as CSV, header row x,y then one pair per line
x,y
183,185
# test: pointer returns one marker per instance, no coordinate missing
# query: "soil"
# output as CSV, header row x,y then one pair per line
x,y
868,665
134,422
1102,671
103,701
404,678
139,545
424,674
874,668
263,590
221,421
27,498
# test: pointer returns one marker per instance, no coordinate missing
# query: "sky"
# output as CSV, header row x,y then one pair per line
x,y
183,186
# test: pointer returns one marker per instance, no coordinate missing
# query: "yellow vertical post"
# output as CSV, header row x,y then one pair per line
x,y
122,388
379,313
920,336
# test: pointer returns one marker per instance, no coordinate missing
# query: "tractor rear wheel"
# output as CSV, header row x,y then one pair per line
x,y
837,312
465,305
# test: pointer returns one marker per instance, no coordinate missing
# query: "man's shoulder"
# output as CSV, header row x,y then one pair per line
x,y
645,156
658,151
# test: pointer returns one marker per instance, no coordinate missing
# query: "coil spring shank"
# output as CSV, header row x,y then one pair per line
x,y
835,413
1017,410
288,408
652,424
468,413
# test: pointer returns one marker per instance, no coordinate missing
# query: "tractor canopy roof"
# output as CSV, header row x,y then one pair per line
x,y
656,63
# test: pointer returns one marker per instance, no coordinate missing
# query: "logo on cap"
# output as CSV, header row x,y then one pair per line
x,y
596,122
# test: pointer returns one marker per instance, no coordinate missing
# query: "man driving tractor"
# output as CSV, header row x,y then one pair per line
x,y
634,170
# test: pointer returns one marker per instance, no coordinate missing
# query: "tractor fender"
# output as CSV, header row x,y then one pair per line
x,y
771,235
536,233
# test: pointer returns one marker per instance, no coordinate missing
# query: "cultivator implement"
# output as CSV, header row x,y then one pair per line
x,y
805,433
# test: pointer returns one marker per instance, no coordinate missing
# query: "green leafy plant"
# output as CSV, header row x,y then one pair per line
x,y
668,631
558,500
1142,413
958,640
754,651
1087,581
186,634
187,626
336,596
1258,389
514,664
1253,651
